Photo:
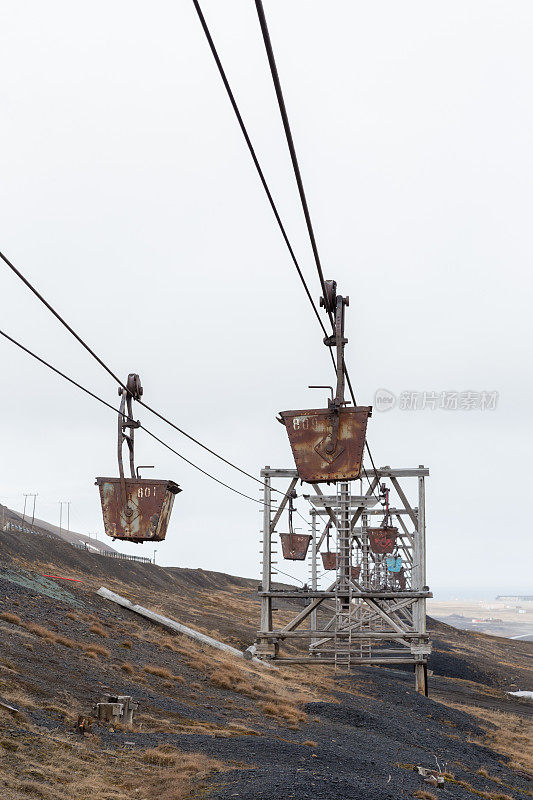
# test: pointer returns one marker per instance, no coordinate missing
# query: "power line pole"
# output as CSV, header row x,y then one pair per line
x,y
26,495
33,512
61,504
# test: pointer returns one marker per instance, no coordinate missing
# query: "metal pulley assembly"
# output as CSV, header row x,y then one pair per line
x,y
134,509
327,444
294,545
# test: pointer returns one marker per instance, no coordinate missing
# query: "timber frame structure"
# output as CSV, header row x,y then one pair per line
x,y
367,615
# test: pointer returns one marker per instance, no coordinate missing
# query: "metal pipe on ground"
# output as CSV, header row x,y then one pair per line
x,y
167,622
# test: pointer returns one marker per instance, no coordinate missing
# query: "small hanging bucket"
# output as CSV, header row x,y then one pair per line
x,y
382,540
295,545
402,581
394,563
355,571
329,560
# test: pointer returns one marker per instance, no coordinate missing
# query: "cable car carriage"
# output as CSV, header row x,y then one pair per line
x,y
331,561
134,509
327,443
294,545
382,540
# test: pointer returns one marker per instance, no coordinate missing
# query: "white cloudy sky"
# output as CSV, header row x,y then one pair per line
x,y
128,197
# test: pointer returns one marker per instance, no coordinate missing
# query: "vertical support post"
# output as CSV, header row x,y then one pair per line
x,y
33,512
266,582
343,534
419,555
314,579
365,567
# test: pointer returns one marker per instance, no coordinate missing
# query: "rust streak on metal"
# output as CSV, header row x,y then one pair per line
x,y
295,545
143,514
311,433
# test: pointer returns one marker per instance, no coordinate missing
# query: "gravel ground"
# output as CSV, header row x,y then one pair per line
x,y
360,745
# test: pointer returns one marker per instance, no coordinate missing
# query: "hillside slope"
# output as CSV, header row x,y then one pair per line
x,y
212,725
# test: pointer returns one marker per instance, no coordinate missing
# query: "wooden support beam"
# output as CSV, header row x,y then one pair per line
x,y
282,505
405,501
359,593
311,634
299,618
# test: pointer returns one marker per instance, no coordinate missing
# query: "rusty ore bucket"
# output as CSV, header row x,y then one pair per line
x,y
329,560
382,540
294,545
355,571
310,434
138,510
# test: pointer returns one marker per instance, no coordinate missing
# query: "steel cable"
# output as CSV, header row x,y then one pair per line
x,y
105,403
296,169
84,344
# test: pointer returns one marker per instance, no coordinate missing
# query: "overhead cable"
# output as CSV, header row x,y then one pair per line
x,y
84,344
105,403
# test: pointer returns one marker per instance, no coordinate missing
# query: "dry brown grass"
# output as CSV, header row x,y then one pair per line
x,y
66,642
14,619
128,668
71,615
96,650
98,630
479,793
80,769
41,632
160,672
422,794
310,743
126,643
506,734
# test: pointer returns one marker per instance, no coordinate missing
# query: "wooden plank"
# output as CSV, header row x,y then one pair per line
x,y
329,634
394,472
300,595
172,625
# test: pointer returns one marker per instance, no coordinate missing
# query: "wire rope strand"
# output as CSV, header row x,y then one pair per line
x,y
84,344
251,148
290,143
105,403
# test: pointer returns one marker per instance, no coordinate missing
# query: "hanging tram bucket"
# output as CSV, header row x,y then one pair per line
x,y
327,444
295,545
329,560
382,540
136,509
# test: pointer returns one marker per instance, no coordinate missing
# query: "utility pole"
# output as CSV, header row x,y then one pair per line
x,y
155,551
26,495
33,512
61,504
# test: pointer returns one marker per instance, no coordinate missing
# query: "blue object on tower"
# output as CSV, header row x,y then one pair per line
x,y
394,563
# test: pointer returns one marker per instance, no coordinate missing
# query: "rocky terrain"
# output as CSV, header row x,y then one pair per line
x,y
212,725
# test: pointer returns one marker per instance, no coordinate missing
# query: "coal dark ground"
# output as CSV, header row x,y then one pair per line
x,y
363,745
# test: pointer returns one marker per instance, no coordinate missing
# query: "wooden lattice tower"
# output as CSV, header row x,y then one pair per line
x,y
367,614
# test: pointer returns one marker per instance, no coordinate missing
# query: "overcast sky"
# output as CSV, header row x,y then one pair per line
x,y
129,198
